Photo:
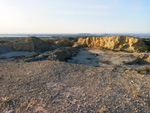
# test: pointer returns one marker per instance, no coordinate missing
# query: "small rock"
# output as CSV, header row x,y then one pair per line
x,y
10,111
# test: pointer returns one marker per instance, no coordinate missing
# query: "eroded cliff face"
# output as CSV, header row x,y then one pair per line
x,y
121,43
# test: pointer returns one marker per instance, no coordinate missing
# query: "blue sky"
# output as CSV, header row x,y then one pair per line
x,y
74,16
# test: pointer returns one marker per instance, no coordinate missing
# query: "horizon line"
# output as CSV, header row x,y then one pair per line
x,y
73,33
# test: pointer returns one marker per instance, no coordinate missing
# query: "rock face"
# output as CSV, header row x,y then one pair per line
x,y
30,44
123,43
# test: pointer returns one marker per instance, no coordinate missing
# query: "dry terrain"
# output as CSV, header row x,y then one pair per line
x,y
96,82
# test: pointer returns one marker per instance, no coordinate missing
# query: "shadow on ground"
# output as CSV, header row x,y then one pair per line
x,y
86,57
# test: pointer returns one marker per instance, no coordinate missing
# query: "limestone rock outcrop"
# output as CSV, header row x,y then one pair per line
x,y
121,43
30,44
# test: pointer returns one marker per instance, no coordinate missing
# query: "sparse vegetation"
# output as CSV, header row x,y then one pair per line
x,y
89,58
137,94
125,69
114,68
72,86
3,58
6,99
106,62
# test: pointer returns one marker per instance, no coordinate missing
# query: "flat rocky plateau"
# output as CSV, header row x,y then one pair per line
x,y
53,86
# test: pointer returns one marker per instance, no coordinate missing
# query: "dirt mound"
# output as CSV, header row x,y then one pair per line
x,y
63,53
64,43
30,44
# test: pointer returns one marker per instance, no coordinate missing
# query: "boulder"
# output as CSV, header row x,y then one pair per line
x,y
121,43
30,44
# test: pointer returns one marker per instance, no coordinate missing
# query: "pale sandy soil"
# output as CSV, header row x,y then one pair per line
x,y
53,86
17,53
10,56
105,58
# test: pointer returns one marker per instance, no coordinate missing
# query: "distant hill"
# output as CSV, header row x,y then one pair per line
x,y
30,44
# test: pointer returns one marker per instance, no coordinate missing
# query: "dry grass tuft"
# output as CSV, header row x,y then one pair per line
x,y
137,94
103,110
114,68
6,99
31,104
89,58
106,62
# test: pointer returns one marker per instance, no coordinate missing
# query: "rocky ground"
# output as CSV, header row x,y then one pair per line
x,y
86,80
108,58
93,81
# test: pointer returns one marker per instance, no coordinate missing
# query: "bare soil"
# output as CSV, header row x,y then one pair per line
x,y
53,86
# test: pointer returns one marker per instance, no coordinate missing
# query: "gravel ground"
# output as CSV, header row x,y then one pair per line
x,y
106,58
53,86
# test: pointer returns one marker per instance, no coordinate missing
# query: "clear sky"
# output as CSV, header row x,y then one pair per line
x,y
74,16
